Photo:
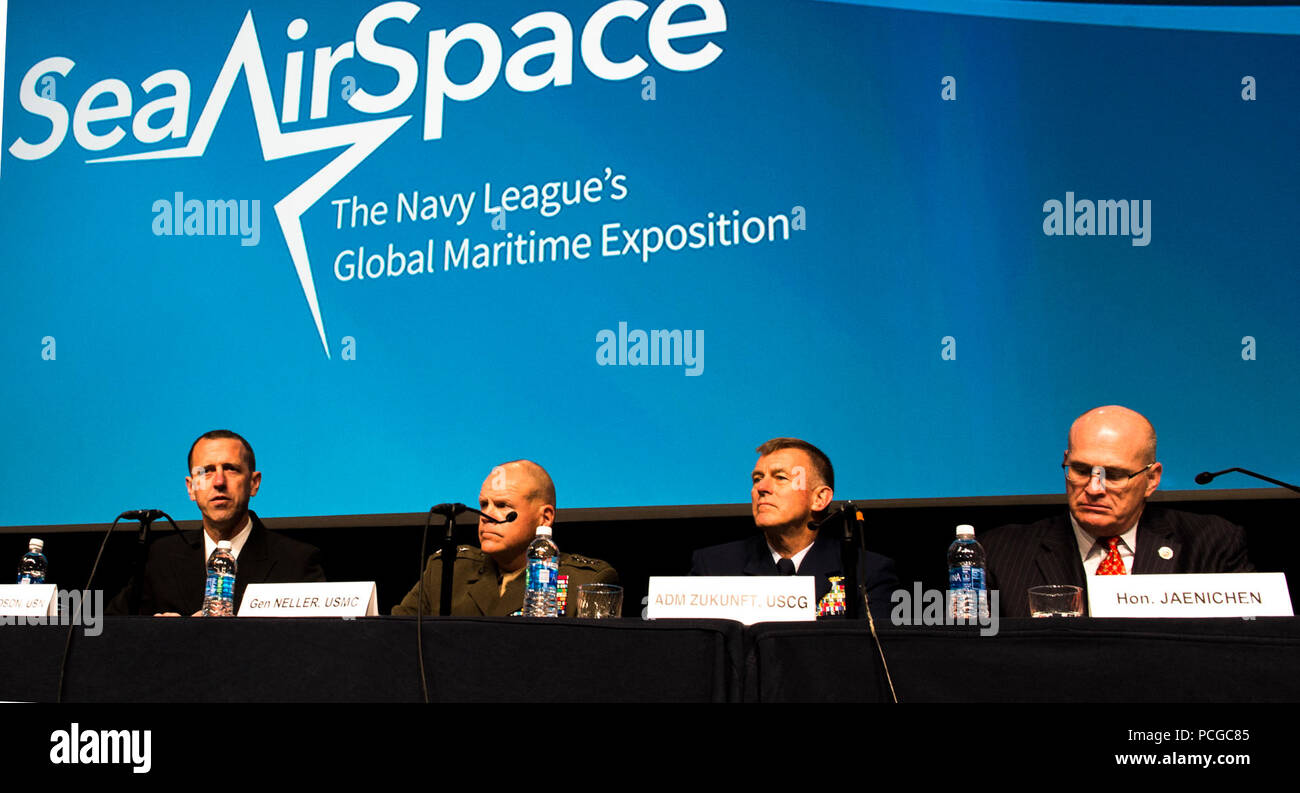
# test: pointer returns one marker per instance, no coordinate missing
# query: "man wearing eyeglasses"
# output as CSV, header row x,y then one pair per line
x,y
1110,471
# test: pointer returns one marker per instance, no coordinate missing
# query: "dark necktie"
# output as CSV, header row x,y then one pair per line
x,y
785,567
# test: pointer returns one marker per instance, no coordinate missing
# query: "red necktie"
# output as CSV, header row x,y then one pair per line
x,y
1112,564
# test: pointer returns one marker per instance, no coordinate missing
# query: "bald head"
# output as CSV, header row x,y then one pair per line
x,y
524,488
1123,443
532,479
1115,425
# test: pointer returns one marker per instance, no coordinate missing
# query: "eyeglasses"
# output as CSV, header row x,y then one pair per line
x,y
1082,473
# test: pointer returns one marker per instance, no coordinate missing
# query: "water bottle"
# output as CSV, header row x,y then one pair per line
x,y
967,598
31,568
219,595
542,573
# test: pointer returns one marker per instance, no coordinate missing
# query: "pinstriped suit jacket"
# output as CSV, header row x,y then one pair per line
x,y
1046,552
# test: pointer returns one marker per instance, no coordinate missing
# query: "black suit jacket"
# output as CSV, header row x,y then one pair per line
x,y
1046,552
175,571
752,557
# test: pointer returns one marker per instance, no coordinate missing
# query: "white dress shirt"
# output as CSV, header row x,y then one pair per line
x,y
236,543
1092,550
797,558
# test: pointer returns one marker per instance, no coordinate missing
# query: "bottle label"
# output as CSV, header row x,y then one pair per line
x,y
966,592
542,572
221,586
966,577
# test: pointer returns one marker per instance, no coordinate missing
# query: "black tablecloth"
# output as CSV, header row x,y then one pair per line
x,y
143,659
1063,660
146,659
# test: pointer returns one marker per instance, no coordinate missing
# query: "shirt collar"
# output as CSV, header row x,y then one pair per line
x,y
236,542
1087,542
797,558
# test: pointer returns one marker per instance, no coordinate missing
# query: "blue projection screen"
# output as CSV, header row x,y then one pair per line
x,y
394,244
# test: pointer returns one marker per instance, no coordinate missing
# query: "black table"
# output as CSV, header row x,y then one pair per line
x,y
143,659
146,659
1063,660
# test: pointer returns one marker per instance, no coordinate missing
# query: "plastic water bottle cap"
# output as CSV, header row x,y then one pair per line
x,y
543,531
965,530
224,545
36,543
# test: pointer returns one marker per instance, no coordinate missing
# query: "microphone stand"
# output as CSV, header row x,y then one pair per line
x,y
851,555
448,546
448,550
853,552
146,518
141,552
419,614
1205,477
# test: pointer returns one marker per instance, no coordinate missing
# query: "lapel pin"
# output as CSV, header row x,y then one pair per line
x,y
1166,552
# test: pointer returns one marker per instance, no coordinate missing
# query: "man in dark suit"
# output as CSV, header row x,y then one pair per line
x,y
1110,471
223,477
793,483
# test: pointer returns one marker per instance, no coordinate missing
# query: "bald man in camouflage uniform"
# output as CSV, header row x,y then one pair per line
x,y
489,580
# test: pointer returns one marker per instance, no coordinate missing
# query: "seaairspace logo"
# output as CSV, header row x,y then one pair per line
x,y
164,115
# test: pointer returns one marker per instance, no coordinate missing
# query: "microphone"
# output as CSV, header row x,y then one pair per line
x,y
835,514
142,514
1205,477
452,510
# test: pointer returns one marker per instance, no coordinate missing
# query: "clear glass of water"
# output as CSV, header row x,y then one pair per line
x,y
1056,600
600,601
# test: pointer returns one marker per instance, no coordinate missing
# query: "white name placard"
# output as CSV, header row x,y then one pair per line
x,y
333,599
748,599
1190,595
28,600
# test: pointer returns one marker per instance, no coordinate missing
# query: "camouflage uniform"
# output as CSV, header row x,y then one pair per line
x,y
476,585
